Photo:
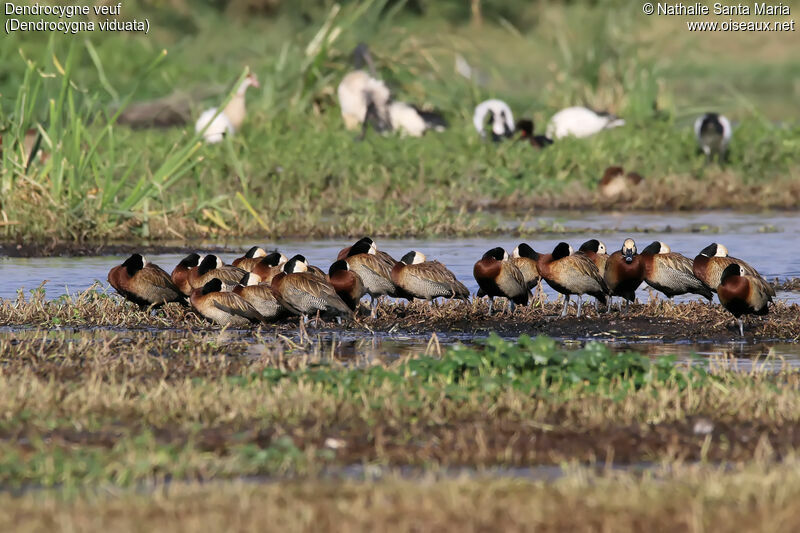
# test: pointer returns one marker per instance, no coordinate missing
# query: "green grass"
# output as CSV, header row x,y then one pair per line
x,y
294,171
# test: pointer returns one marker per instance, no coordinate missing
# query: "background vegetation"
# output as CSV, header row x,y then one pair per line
x,y
293,170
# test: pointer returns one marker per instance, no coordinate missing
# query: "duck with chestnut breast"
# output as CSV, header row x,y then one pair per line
x,y
569,274
212,267
261,296
375,272
269,266
524,258
427,280
624,272
344,252
304,293
713,260
215,125
250,258
670,272
499,277
223,307
525,127
180,274
596,251
346,283
743,294
144,283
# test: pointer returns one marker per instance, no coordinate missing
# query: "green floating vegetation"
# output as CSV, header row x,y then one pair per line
x,y
527,364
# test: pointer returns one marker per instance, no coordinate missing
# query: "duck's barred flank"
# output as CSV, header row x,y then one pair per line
x,y
229,295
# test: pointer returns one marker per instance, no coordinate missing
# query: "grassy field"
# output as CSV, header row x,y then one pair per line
x,y
294,171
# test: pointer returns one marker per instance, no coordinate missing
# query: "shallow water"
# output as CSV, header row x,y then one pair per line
x,y
767,241
774,253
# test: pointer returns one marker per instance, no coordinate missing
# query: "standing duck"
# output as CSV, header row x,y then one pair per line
x,y
373,247
713,133
260,296
224,308
670,272
144,283
269,266
570,274
427,280
713,260
524,258
581,122
346,283
304,293
596,251
500,119
180,274
375,271
743,294
250,258
498,277
525,127
624,272
230,119
212,267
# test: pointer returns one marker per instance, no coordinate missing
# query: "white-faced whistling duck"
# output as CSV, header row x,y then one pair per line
x,y
524,258
427,280
261,296
624,272
269,266
180,274
224,308
712,260
596,251
375,272
499,277
144,283
670,272
570,273
250,259
212,267
305,293
742,294
346,283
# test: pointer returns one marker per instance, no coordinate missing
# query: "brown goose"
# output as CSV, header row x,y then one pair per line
x,y
497,276
570,274
743,294
212,267
427,280
224,308
144,283
713,260
671,273
624,272
261,296
304,293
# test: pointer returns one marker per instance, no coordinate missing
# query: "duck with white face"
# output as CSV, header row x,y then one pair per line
x,y
427,280
670,272
743,294
713,133
712,260
499,277
624,272
144,283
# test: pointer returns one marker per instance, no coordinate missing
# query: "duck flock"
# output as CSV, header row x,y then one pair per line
x,y
365,100
261,287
